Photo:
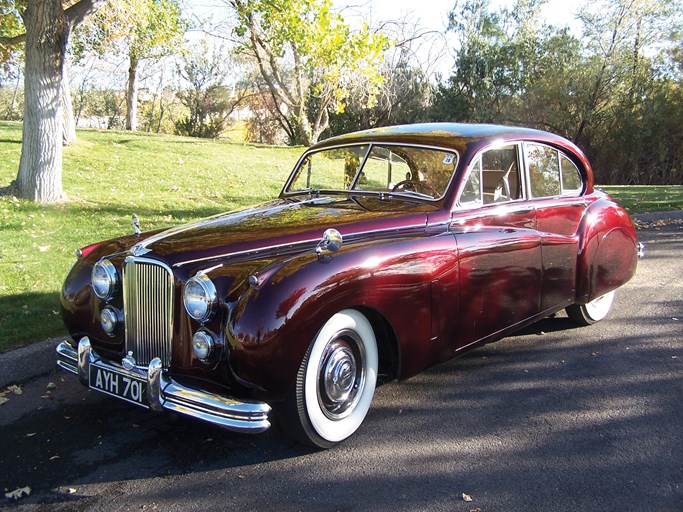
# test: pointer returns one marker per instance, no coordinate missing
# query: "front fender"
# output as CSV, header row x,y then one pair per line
x,y
608,250
272,324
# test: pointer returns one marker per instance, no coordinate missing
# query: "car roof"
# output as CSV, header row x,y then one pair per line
x,y
466,138
453,135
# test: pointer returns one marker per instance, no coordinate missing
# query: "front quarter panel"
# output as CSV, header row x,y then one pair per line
x,y
273,323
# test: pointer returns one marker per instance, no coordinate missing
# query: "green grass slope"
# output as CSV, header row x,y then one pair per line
x,y
108,176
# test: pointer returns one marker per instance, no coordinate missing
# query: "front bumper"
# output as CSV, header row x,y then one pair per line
x,y
165,393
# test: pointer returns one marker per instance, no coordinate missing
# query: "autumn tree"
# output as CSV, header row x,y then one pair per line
x,y
47,29
616,91
307,56
209,96
140,29
406,88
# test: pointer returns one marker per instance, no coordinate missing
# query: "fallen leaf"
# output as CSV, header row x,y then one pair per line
x,y
51,385
3,400
15,389
30,434
18,493
466,497
72,490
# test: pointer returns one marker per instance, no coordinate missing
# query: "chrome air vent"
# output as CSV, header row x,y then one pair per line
x,y
148,294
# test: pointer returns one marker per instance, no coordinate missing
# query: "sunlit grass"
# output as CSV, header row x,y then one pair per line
x,y
108,176
642,198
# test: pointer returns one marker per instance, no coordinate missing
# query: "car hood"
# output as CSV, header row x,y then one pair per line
x,y
281,225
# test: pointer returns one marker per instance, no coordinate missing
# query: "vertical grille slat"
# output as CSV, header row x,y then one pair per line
x,y
148,310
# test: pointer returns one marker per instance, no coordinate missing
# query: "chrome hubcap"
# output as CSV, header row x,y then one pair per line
x,y
341,375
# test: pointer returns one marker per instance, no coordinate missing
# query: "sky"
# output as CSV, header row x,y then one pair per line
x,y
431,13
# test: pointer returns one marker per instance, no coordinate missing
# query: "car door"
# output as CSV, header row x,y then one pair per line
x,y
499,249
556,186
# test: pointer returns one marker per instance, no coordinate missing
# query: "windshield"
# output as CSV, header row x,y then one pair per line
x,y
382,168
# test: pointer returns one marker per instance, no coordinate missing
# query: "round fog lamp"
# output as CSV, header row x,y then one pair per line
x,y
104,279
108,321
202,344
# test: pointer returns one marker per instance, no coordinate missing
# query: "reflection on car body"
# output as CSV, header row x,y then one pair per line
x,y
387,252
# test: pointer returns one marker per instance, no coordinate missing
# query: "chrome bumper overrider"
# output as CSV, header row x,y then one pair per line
x,y
165,393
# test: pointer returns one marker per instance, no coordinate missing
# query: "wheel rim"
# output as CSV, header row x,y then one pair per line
x,y
341,375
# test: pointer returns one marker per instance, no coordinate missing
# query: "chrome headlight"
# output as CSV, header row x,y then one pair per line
x,y
199,297
104,279
202,344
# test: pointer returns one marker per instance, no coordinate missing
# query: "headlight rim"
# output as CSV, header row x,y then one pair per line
x,y
112,275
209,289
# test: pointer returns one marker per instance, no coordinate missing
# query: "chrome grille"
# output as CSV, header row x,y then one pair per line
x,y
148,310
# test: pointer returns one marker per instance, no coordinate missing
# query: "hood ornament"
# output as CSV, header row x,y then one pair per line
x,y
138,250
136,225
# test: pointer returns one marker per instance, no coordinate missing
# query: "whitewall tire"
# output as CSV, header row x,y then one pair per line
x,y
335,383
594,311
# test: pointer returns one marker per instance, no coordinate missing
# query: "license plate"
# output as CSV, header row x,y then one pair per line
x,y
128,388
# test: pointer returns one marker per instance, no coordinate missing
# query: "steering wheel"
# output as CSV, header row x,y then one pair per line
x,y
417,184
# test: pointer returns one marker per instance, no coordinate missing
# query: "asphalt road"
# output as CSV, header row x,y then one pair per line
x,y
554,418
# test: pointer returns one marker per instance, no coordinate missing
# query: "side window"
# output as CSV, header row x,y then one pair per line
x,y
471,193
500,175
544,170
494,178
572,184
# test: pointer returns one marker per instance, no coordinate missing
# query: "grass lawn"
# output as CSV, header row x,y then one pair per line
x,y
643,198
165,180
108,176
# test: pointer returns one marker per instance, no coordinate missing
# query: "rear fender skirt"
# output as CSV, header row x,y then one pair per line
x,y
608,250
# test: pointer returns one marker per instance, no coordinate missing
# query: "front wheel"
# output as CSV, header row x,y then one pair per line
x,y
335,383
594,311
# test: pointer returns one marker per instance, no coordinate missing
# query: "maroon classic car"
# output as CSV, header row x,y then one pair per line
x,y
387,252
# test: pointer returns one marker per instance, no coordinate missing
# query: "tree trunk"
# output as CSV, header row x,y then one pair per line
x,y
69,134
132,96
40,167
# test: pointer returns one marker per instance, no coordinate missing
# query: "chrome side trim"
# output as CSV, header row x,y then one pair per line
x,y
166,394
304,244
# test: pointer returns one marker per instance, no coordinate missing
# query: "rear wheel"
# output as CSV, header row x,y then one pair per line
x,y
335,383
594,311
